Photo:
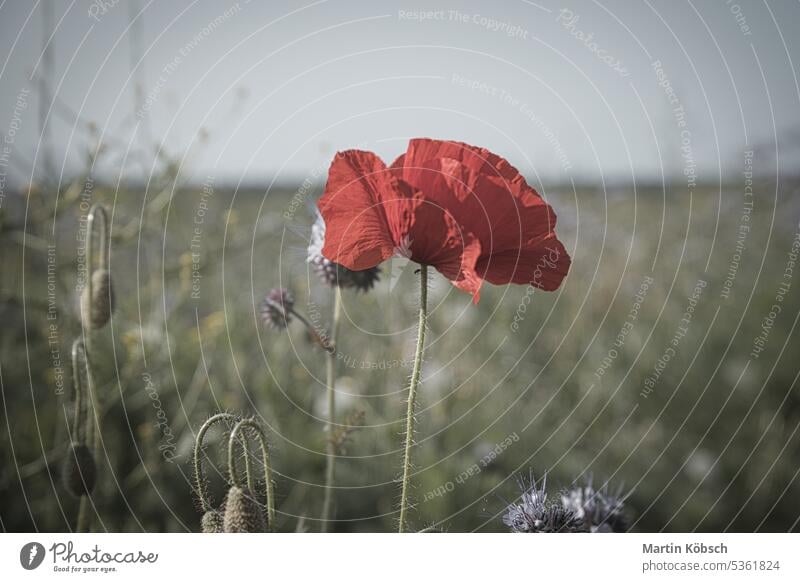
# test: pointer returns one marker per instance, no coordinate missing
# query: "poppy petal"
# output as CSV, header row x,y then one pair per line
x,y
437,240
357,232
479,160
543,266
466,278
502,216
461,209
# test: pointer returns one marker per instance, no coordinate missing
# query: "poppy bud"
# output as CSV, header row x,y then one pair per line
x,y
212,522
242,513
97,309
79,471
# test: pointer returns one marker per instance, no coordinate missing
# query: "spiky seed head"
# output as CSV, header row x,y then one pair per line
x,y
600,510
97,309
276,309
524,515
212,522
331,273
559,519
532,513
242,513
359,280
79,471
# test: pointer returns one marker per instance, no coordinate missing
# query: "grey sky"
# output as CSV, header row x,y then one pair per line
x,y
279,86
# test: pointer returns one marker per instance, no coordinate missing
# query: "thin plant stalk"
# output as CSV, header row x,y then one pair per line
x,y
330,465
327,345
412,394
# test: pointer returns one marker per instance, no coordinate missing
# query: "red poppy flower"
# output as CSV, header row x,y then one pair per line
x,y
458,208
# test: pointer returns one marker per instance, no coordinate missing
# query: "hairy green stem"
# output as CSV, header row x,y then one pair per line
x,y
199,478
262,439
330,466
412,394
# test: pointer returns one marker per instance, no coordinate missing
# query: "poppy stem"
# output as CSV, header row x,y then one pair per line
x,y
412,394
331,387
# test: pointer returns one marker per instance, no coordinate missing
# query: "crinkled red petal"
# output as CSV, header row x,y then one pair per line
x,y
544,266
461,209
357,233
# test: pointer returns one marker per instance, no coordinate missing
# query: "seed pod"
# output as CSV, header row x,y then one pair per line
x,y
101,303
79,471
242,513
212,522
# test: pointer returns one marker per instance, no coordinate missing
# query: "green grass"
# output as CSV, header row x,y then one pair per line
x,y
709,448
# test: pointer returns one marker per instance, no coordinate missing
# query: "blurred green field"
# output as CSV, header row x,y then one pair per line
x,y
554,383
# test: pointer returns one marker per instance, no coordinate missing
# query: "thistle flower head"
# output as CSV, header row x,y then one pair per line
x,y
277,308
533,514
598,509
333,274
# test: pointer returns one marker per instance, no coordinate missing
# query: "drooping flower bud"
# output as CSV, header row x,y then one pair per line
x,y
242,513
213,518
212,522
